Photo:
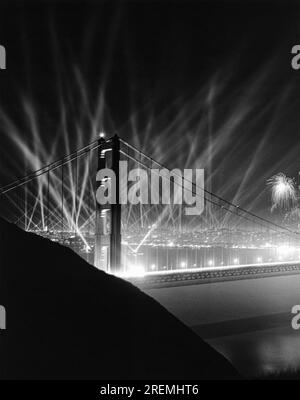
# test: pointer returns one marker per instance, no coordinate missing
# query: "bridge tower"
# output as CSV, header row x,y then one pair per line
x,y
108,216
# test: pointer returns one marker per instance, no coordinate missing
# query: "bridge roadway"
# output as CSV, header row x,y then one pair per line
x,y
227,294
217,274
244,312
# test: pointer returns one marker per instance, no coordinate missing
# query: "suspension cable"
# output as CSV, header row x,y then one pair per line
x,y
237,207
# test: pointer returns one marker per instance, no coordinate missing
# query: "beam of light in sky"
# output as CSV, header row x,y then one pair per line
x,y
176,133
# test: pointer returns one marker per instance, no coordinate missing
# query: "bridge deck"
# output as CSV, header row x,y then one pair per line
x,y
170,279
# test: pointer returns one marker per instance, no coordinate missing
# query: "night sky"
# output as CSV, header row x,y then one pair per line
x,y
194,84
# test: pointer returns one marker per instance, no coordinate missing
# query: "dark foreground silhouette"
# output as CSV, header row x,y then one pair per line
x,y
67,320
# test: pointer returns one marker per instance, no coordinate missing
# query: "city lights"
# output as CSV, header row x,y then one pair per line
x,y
134,271
183,264
285,250
152,242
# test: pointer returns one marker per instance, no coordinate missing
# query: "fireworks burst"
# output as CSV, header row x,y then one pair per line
x,y
283,191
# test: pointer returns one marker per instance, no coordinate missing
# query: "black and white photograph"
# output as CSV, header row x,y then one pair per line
x,y
149,194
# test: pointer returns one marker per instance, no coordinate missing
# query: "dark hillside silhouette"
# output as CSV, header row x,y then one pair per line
x,y
67,320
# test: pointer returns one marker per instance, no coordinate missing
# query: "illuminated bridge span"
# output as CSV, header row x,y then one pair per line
x,y
158,241
204,276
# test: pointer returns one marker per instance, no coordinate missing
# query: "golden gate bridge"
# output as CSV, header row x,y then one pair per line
x,y
226,241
